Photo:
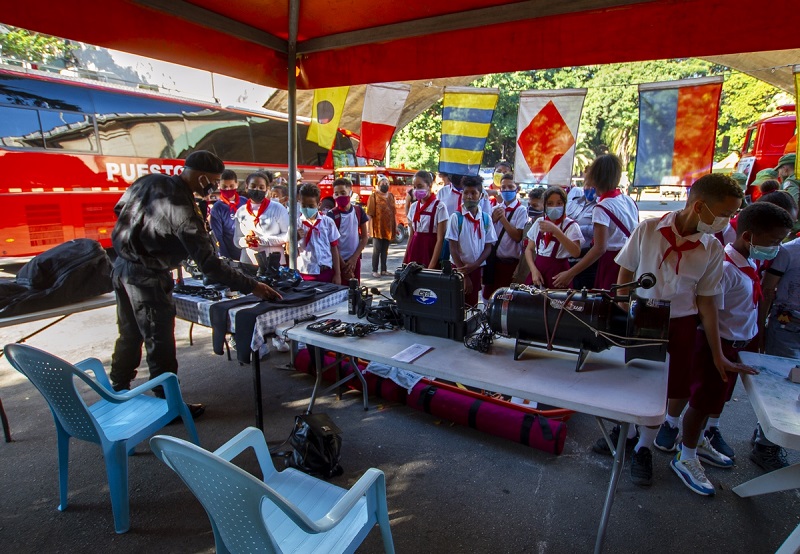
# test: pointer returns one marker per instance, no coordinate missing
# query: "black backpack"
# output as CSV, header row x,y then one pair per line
x,y
317,444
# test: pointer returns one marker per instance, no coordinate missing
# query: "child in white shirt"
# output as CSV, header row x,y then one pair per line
x,y
318,244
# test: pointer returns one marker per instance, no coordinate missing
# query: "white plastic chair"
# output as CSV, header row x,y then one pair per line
x,y
117,421
288,511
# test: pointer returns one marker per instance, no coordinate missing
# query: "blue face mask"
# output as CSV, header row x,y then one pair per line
x,y
763,252
310,213
508,195
554,213
590,194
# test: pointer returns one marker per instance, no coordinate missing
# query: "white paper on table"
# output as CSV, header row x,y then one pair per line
x,y
411,353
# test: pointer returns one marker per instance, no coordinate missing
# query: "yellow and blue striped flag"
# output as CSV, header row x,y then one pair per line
x,y
466,116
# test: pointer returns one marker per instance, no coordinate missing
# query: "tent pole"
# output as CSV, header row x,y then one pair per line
x,y
294,16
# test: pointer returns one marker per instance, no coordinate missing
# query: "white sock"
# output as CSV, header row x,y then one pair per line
x,y
712,422
646,438
688,453
674,421
631,431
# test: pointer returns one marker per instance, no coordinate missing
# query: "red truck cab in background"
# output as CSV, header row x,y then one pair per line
x,y
766,141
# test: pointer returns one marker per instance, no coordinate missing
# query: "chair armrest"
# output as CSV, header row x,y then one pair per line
x,y
372,478
96,366
168,380
249,437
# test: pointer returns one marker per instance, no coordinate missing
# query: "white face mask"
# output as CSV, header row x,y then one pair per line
x,y
719,224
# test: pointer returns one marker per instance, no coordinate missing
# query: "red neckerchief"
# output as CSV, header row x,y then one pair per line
x,y
475,223
421,208
511,209
311,229
669,234
557,222
231,204
261,208
457,193
610,194
753,275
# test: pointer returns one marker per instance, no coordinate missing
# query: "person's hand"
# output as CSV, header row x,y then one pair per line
x,y
724,365
350,265
562,280
497,213
536,277
337,279
546,226
251,240
467,285
266,292
467,269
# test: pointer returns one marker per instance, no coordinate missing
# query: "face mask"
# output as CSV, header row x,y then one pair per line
x,y
554,213
208,186
508,195
717,226
342,202
763,252
535,214
384,188
497,178
229,194
470,204
309,212
420,194
589,194
257,195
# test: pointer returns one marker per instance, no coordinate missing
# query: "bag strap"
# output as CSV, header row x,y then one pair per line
x,y
621,226
426,396
472,418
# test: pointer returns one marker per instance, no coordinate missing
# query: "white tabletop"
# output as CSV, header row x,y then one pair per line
x,y
774,397
108,299
606,387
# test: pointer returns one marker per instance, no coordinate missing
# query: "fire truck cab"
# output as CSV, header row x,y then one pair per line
x,y
766,141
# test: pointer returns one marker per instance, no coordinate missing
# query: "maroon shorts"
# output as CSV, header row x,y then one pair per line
x,y
503,274
323,276
709,391
471,299
682,337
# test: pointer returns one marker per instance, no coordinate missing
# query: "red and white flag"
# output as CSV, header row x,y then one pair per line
x,y
547,130
383,104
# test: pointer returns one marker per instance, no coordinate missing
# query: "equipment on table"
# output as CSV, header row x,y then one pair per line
x,y
583,321
432,302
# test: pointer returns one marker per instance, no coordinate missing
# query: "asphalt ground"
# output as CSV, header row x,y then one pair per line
x,y
450,489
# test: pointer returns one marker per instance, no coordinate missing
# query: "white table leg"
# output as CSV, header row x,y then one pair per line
x,y
779,480
616,470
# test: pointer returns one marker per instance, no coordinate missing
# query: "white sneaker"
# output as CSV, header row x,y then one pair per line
x,y
692,474
709,455
280,344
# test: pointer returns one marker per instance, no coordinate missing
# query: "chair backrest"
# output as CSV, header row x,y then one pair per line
x,y
53,377
231,496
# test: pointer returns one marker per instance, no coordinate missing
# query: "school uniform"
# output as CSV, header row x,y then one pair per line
x,y
508,251
424,219
690,267
349,225
223,224
727,235
472,233
551,256
314,257
580,209
269,220
738,326
451,197
620,214
783,330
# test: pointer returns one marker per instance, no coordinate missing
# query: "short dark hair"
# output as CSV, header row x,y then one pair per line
x,y
425,176
763,217
472,182
605,172
443,174
229,175
554,190
502,163
781,199
507,177
770,185
259,174
537,193
343,182
309,190
715,187
282,189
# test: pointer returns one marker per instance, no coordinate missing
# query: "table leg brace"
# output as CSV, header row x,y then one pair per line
x,y
616,469
779,480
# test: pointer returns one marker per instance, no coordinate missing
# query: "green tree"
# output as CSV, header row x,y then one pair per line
x,y
25,45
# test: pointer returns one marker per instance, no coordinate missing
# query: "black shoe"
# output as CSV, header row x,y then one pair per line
x,y
769,458
601,446
642,467
195,409
119,387
715,438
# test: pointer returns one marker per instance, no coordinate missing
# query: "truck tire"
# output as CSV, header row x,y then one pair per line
x,y
401,234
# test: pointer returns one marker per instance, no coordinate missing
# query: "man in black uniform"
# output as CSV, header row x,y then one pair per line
x,y
158,226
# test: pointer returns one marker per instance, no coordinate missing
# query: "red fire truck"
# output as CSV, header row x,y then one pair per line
x,y
766,141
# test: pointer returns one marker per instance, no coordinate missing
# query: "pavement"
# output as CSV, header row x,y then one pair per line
x,y
450,489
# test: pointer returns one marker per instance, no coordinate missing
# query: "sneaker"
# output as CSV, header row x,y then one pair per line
x,y
692,474
715,438
280,344
709,455
601,446
195,409
668,438
119,387
642,467
768,458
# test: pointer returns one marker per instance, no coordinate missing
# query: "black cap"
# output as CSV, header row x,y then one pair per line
x,y
203,160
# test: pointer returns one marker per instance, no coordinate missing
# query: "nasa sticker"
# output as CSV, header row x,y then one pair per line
x,y
425,296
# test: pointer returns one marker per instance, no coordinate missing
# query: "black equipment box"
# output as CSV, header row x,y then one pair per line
x,y
432,302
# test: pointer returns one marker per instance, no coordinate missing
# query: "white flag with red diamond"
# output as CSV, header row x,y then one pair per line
x,y
547,130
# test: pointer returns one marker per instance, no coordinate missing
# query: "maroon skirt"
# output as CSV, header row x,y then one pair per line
x,y
420,248
607,270
549,268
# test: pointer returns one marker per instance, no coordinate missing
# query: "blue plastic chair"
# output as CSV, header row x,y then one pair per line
x,y
288,511
117,421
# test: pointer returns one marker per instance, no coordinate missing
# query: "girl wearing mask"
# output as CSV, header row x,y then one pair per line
x,y
427,223
552,240
381,210
262,224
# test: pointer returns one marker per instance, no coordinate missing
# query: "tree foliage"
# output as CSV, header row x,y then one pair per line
x,y
25,45
610,118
